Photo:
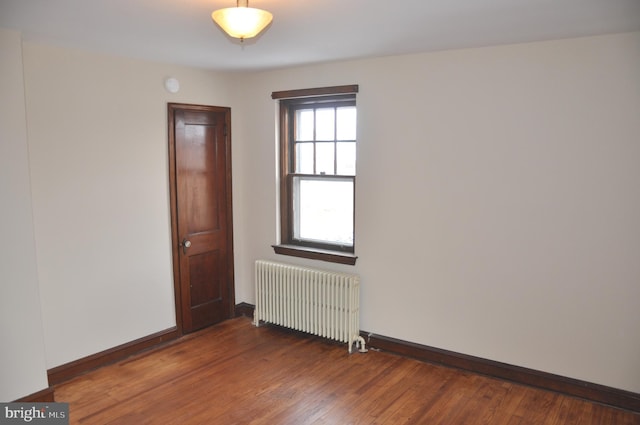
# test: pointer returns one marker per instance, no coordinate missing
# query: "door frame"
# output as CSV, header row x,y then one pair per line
x,y
173,199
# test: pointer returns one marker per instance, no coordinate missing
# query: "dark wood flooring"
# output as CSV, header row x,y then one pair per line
x,y
235,373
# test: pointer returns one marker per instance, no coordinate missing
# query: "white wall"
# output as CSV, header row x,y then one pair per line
x,y
498,200
99,169
22,358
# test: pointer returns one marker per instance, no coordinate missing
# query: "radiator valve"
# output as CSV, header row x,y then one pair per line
x,y
360,345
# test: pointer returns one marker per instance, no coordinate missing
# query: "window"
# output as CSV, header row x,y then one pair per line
x,y
318,173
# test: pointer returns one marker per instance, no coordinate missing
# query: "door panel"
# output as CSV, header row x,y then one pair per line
x,y
205,282
198,162
201,214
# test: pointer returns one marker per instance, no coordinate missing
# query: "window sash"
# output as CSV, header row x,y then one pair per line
x,y
335,234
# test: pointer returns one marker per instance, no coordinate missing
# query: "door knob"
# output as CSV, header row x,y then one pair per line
x,y
186,243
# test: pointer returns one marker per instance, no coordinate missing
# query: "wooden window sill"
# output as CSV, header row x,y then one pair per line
x,y
316,254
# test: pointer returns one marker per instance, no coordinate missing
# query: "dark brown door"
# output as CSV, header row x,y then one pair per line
x,y
201,215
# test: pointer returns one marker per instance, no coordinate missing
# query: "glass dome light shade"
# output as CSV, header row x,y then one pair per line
x,y
242,22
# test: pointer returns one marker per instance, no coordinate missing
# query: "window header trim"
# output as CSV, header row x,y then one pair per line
x,y
318,91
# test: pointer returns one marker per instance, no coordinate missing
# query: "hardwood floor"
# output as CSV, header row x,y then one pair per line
x,y
235,373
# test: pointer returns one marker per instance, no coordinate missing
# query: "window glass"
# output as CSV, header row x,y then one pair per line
x,y
325,210
325,158
304,124
304,158
346,122
346,156
325,124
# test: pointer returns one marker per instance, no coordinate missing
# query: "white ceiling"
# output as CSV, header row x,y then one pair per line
x,y
308,31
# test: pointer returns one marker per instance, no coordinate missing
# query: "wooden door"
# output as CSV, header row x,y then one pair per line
x,y
201,214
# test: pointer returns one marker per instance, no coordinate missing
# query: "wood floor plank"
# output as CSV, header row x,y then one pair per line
x,y
235,373
495,398
535,406
513,399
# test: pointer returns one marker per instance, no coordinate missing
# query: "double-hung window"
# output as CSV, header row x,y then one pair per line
x,y
318,173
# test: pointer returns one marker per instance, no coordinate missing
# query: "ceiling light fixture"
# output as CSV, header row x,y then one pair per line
x,y
242,21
